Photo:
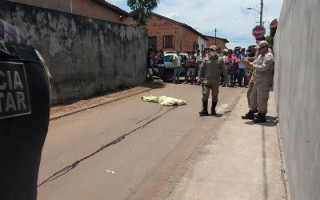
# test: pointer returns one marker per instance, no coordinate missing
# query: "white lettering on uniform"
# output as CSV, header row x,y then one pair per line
x,y
9,80
20,101
17,83
10,104
3,85
1,96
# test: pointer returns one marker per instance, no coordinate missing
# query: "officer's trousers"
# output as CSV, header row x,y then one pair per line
x,y
214,92
260,95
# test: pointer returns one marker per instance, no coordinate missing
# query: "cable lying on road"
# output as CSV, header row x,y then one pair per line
x,y
161,108
119,139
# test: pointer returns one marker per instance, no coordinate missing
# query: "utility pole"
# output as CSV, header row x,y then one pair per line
x,y
215,36
70,1
261,13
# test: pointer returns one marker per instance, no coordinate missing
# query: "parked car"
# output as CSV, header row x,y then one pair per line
x,y
168,65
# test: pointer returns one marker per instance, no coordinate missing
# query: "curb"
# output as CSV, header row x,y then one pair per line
x,y
58,116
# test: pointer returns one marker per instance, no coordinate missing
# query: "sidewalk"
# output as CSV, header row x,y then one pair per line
x,y
59,111
241,162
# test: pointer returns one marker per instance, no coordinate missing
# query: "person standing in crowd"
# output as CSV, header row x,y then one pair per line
x,y
220,55
230,62
198,61
176,67
222,81
149,64
263,67
160,58
242,72
210,71
236,67
191,73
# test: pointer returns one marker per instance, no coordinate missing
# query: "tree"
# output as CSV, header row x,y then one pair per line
x,y
269,40
142,9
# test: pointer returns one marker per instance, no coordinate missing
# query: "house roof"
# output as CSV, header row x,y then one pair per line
x,y
225,40
181,24
112,7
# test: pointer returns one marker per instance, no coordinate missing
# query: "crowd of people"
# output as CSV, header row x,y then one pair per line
x,y
190,65
252,68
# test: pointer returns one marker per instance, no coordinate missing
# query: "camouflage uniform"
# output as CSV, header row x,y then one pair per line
x,y
210,71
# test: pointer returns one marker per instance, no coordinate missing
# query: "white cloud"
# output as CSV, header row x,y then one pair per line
x,y
231,17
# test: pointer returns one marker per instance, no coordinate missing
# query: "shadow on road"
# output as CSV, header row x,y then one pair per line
x,y
264,165
271,122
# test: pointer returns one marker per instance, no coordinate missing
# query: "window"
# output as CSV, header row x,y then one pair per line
x,y
152,42
168,41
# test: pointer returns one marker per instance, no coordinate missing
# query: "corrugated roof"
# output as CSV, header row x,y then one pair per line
x,y
112,7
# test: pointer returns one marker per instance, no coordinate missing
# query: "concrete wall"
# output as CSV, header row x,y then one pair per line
x,y
297,87
85,56
86,8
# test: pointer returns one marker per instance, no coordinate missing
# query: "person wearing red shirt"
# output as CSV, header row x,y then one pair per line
x,y
231,63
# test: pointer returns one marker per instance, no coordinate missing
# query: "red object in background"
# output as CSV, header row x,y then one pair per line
x,y
258,31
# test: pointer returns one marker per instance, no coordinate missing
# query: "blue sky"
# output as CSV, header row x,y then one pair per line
x,y
231,17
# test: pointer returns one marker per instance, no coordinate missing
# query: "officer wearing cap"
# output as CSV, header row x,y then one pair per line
x,y
210,70
251,81
263,67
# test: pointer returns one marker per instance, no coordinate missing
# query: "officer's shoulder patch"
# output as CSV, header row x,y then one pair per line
x,y
14,90
269,57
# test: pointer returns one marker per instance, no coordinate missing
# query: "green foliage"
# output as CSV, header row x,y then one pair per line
x,y
142,9
269,40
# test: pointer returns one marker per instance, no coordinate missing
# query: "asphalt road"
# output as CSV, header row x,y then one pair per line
x,y
127,149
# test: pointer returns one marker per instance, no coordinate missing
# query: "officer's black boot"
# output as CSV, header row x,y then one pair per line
x,y
261,118
204,111
249,115
213,108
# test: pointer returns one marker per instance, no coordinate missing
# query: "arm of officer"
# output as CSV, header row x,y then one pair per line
x,y
202,70
265,65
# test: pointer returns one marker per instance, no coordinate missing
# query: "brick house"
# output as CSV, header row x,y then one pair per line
x,y
168,34
220,42
98,9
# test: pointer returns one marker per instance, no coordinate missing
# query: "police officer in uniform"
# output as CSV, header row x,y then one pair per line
x,y
251,81
210,70
24,114
263,67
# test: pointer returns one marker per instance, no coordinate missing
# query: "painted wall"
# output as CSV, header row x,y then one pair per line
x,y
85,56
202,43
297,88
86,8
